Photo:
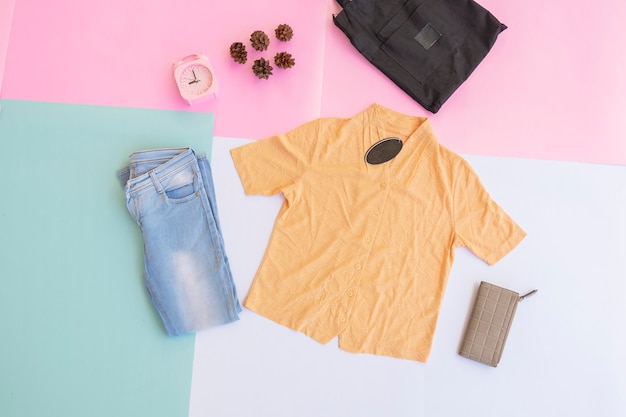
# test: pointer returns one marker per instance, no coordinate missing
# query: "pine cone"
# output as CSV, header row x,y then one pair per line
x,y
284,32
238,52
262,68
284,60
260,41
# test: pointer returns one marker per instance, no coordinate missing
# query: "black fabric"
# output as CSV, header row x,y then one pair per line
x,y
427,47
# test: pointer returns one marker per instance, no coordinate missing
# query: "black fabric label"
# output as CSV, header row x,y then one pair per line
x,y
382,151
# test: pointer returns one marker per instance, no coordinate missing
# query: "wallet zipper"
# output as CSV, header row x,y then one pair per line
x,y
527,295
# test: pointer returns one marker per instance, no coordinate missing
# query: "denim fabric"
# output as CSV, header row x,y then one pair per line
x,y
169,193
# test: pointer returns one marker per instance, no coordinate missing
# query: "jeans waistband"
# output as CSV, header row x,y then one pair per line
x,y
173,161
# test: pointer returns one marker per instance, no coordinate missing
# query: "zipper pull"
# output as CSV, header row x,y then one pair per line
x,y
527,295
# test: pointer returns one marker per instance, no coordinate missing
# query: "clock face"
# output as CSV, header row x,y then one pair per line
x,y
196,79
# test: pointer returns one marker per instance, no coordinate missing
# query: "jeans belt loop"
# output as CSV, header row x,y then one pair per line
x,y
156,182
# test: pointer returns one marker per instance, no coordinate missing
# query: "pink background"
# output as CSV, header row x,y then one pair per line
x,y
552,87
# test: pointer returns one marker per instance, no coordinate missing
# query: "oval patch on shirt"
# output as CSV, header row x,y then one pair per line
x,y
382,151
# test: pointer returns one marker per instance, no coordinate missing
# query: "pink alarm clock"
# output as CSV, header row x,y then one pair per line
x,y
195,78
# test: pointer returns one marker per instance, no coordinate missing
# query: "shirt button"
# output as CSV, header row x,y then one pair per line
x,y
342,319
383,185
350,293
367,238
376,212
358,266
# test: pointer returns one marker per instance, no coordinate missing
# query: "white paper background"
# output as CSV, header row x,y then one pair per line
x,y
564,355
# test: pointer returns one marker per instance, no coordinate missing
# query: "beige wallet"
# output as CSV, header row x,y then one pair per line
x,y
490,322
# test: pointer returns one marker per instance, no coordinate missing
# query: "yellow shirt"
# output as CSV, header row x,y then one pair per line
x,y
364,251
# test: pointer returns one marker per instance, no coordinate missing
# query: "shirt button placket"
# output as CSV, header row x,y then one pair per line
x,y
342,319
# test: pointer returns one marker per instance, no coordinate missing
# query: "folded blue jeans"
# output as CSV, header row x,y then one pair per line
x,y
170,194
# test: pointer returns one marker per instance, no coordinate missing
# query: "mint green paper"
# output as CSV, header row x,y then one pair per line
x,y
78,334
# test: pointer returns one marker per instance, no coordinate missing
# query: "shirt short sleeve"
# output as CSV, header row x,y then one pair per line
x,y
481,224
270,165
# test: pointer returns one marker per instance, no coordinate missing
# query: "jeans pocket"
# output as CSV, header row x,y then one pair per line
x,y
182,187
183,193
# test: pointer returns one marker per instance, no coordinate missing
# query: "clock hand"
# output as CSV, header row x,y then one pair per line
x,y
195,78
